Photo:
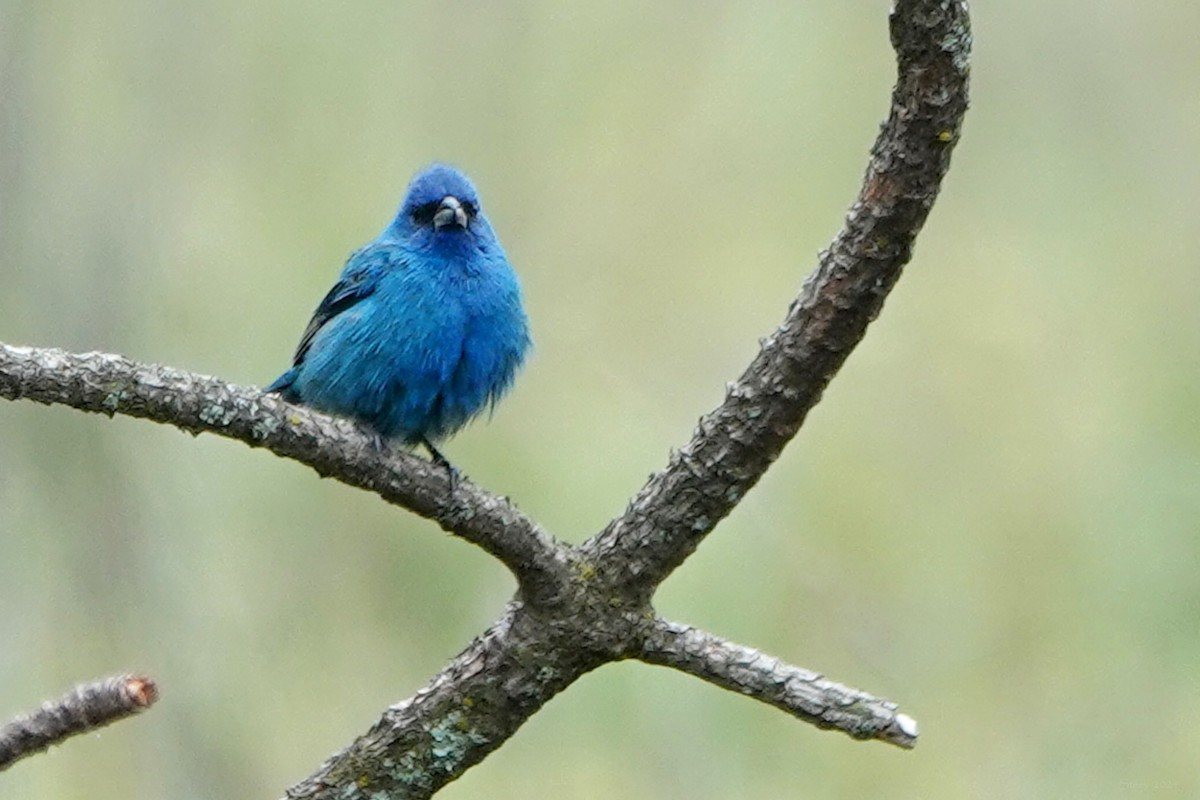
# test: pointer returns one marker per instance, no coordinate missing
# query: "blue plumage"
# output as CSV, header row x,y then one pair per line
x,y
425,327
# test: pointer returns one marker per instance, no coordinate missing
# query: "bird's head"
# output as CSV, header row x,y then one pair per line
x,y
440,209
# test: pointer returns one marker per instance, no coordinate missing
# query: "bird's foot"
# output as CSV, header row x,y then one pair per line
x,y
452,473
378,443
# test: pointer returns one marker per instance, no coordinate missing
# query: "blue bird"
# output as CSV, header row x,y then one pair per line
x,y
425,327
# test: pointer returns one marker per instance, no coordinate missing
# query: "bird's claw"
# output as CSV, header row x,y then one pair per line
x,y
452,473
378,443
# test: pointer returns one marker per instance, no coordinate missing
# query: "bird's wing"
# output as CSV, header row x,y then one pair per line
x,y
358,281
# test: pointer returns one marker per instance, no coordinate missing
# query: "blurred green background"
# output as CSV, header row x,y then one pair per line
x,y
991,519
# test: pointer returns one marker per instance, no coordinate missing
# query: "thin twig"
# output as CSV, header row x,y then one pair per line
x,y
799,692
85,708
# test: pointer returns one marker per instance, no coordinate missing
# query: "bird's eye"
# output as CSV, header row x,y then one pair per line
x,y
423,214
470,208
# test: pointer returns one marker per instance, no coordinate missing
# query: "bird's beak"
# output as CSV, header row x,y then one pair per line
x,y
450,212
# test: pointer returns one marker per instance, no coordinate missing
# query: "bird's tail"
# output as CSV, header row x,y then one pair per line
x,y
283,385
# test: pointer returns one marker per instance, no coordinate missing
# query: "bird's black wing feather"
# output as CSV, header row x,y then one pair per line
x,y
357,282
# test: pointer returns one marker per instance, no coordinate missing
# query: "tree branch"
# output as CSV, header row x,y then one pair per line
x,y
111,384
735,444
799,692
85,708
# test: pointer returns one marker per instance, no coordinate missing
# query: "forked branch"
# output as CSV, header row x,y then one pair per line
x,y
579,608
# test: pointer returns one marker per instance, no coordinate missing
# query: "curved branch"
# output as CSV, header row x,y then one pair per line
x,y
735,444
797,691
85,708
111,384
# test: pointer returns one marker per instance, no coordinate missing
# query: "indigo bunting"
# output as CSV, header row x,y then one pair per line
x,y
424,328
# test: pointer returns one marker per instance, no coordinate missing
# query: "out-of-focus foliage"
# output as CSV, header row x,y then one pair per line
x,y
992,518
